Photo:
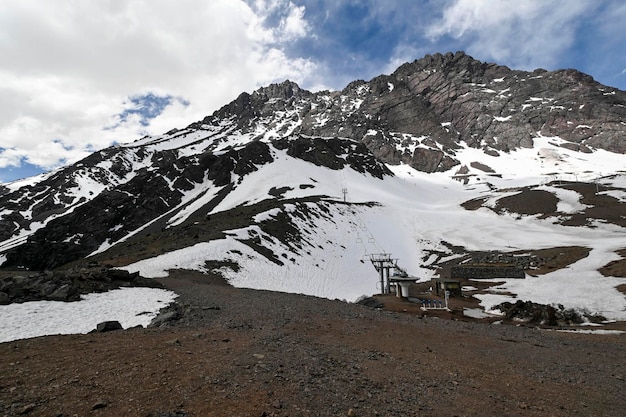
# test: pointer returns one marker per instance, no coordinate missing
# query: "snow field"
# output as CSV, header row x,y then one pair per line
x,y
130,306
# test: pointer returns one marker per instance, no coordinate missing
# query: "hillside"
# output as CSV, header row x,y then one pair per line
x,y
447,161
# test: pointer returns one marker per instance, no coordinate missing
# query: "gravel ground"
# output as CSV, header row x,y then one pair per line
x,y
238,352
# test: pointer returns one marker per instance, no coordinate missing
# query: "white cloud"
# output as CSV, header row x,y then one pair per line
x,y
528,34
294,26
68,67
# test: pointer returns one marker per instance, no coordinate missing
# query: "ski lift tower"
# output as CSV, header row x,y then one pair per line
x,y
383,264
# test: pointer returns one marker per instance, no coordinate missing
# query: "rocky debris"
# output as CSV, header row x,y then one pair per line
x,y
169,315
27,409
67,285
99,404
546,315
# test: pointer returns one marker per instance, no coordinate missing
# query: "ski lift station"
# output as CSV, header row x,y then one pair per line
x,y
395,279
391,275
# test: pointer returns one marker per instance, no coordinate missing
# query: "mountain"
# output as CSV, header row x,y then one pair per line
x,y
448,160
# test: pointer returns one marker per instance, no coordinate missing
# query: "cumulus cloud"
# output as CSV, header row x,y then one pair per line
x,y
528,34
79,76
294,25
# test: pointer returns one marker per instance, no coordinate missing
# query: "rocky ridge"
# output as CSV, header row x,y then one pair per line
x,y
425,109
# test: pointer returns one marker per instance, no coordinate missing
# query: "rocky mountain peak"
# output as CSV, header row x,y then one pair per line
x,y
285,91
426,109
457,65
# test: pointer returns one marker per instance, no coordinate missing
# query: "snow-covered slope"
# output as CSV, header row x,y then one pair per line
x,y
410,215
288,190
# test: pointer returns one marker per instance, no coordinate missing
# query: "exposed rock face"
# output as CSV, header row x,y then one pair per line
x,y
492,106
335,154
424,110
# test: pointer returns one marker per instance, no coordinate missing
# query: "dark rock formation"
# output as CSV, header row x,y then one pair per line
x,y
67,285
533,313
370,302
108,326
486,271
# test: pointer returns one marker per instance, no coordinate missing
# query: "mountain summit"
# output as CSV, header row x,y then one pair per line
x,y
443,101
291,190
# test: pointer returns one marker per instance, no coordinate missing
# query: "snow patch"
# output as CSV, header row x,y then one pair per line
x,y
617,194
569,200
591,331
130,306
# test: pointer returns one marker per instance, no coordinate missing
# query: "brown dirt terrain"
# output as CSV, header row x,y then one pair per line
x,y
239,352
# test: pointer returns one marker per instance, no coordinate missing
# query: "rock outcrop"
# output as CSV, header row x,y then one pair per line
x,y
67,285
546,315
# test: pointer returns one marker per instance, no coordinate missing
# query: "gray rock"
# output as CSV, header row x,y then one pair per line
x,y
66,292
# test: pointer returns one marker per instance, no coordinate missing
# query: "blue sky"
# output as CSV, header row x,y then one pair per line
x,y
80,76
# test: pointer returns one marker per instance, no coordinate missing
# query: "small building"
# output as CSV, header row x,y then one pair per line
x,y
402,284
452,285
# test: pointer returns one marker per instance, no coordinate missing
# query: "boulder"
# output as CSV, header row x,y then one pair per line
x,y
121,275
108,326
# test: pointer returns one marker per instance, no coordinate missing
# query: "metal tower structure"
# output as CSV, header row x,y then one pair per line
x,y
383,262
